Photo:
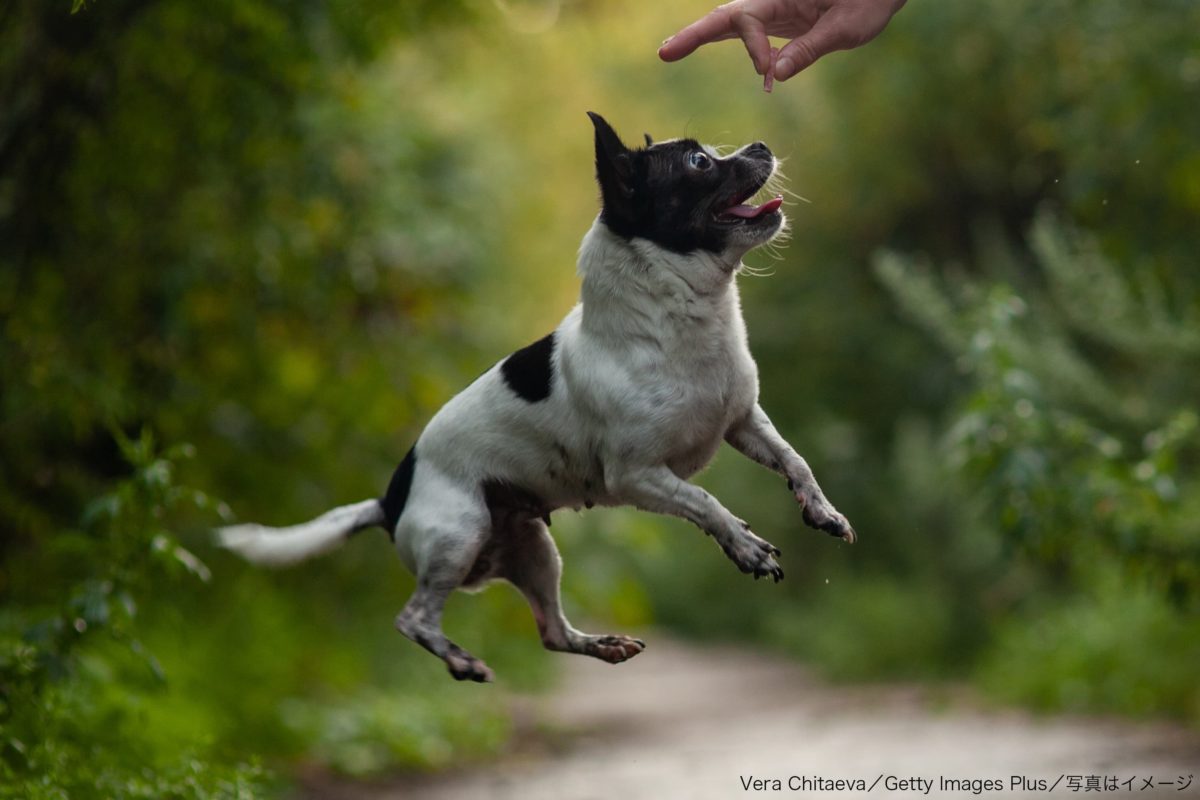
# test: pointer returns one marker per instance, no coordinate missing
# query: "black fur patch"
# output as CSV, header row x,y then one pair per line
x,y
504,499
397,492
530,371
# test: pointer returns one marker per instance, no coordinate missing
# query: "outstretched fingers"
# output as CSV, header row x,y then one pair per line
x,y
716,26
721,24
819,27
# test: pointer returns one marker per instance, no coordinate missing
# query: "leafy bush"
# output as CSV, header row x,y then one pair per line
x,y
374,731
74,674
210,219
1078,459
1115,647
1084,467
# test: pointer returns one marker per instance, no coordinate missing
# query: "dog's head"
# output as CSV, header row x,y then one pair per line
x,y
683,196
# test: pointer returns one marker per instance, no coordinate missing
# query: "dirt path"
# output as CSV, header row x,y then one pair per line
x,y
680,721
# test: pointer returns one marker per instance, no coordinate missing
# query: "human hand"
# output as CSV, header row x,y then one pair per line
x,y
815,27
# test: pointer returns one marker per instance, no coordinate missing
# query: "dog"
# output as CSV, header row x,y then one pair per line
x,y
630,396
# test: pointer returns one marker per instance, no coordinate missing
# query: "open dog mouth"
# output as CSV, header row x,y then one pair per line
x,y
740,211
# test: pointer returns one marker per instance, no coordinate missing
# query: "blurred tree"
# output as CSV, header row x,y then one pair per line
x,y
209,219
177,191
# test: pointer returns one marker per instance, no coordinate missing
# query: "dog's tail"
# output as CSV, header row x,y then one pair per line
x,y
278,547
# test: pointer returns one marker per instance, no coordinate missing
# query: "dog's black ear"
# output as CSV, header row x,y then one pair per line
x,y
614,167
649,141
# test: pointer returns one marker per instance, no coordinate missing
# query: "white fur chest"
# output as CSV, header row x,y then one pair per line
x,y
658,349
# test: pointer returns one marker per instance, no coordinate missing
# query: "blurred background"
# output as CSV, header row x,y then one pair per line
x,y
248,248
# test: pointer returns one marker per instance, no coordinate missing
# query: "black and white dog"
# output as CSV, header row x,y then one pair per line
x,y
629,397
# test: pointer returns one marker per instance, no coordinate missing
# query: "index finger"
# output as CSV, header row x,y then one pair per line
x,y
716,26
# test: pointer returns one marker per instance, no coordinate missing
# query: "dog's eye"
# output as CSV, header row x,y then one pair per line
x,y
698,159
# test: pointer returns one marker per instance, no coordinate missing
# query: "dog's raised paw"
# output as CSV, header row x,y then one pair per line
x,y
614,649
831,522
822,516
758,563
754,555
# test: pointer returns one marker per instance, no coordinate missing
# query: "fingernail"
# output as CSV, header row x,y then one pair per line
x,y
665,41
784,68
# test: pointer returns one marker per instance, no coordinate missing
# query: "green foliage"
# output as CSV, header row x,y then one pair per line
x,y
147,184
1045,409
888,621
1118,647
374,731
1078,431
73,672
211,221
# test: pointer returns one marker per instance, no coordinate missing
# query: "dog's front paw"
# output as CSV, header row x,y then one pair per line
x,y
820,514
752,554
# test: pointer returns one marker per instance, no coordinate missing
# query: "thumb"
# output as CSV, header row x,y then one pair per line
x,y
801,52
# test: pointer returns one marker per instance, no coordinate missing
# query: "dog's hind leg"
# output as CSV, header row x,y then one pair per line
x,y
447,531
421,621
533,565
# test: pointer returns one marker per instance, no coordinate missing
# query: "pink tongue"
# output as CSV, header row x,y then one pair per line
x,y
751,212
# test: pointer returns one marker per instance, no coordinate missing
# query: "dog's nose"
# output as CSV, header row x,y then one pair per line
x,y
758,150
